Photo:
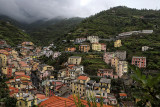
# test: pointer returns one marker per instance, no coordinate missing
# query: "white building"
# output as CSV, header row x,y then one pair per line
x,y
147,31
93,39
145,48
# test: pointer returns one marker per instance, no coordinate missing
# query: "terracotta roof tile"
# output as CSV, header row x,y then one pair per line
x,y
82,77
17,77
19,73
122,94
55,101
3,51
41,96
13,90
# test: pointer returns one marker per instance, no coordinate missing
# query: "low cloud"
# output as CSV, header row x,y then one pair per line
x,y
33,10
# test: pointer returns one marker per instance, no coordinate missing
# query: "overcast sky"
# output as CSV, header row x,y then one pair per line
x,y
32,10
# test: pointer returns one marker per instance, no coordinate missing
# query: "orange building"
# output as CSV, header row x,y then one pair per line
x,y
84,48
70,49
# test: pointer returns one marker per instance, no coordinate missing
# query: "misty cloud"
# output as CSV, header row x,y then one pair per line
x,y
32,10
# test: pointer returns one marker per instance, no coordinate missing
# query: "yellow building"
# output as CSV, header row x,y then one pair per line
x,y
62,73
47,68
114,62
3,60
121,68
96,47
74,60
105,84
117,43
47,90
78,86
26,100
91,93
20,82
14,54
4,70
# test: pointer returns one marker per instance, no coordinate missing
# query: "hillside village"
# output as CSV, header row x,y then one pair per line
x,y
33,82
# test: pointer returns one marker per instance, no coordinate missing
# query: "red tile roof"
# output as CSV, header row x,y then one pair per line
x,y
19,73
23,64
41,96
56,101
71,65
82,77
7,82
18,77
122,94
13,90
3,51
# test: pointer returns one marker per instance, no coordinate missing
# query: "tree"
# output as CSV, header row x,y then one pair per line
x,y
146,88
10,102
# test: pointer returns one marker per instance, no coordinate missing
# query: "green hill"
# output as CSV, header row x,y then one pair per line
x,y
54,32
119,19
12,34
109,23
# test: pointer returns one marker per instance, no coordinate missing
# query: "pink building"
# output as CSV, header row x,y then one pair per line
x,y
108,56
44,74
106,73
103,47
139,61
9,70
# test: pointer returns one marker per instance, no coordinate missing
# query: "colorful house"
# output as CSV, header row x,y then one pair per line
x,y
139,61
78,86
8,70
145,48
93,39
105,73
56,55
121,55
45,71
114,61
4,60
62,74
70,49
108,56
13,91
96,47
84,48
20,82
80,40
105,84
117,43
26,100
103,47
27,44
74,60
122,68
122,95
